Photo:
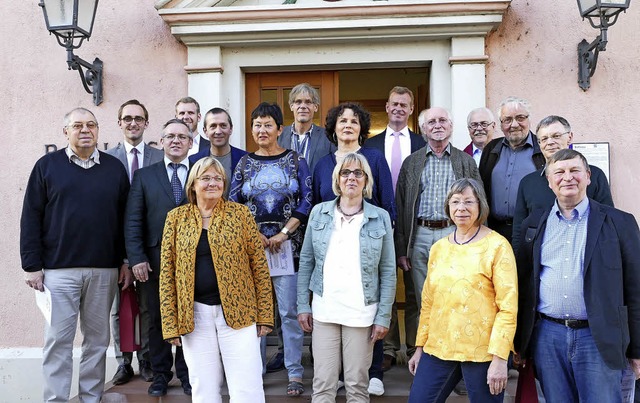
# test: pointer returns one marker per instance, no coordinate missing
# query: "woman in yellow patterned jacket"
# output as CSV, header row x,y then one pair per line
x,y
469,306
215,289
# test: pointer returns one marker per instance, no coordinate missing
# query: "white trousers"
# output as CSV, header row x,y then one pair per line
x,y
214,350
86,293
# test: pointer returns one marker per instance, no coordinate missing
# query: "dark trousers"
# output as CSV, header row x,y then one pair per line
x,y
160,353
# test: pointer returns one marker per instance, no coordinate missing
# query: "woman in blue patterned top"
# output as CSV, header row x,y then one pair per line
x,y
275,184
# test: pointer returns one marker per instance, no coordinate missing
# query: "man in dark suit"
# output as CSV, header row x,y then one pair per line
x,y
399,139
133,119
218,127
188,109
481,125
506,160
303,136
156,190
579,303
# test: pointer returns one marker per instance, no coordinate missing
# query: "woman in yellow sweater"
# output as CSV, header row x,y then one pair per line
x,y
469,306
215,289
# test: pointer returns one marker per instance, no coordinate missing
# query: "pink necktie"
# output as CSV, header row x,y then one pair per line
x,y
396,160
134,162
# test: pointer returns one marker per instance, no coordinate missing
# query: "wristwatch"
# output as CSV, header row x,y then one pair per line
x,y
285,231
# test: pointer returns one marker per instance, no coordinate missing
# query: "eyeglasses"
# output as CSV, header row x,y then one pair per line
x,y
129,119
358,173
440,121
477,125
555,137
77,126
209,179
181,137
518,118
460,203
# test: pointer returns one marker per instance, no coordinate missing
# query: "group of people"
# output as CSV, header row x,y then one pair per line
x,y
510,245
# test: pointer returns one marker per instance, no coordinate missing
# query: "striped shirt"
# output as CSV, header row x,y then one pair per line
x,y
93,159
437,177
562,261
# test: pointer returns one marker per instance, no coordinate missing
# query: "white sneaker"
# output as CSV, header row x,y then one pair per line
x,y
376,387
340,384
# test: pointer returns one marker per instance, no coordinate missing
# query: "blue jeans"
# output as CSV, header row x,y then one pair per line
x,y
285,288
569,366
436,378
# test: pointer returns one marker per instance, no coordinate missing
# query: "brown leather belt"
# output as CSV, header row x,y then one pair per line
x,y
570,323
433,223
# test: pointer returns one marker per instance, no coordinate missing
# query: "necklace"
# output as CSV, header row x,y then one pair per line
x,y
468,240
349,215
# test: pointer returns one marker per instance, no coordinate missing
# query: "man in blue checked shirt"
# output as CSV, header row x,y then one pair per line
x,y
579,303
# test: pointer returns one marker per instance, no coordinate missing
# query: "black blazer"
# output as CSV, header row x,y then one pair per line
x,y
377,141
611,282
150,199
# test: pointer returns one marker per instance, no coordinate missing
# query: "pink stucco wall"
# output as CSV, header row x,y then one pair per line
x,y
141,60
534,55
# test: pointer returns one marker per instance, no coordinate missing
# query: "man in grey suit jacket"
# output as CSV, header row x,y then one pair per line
x,y
303,136
147,207
133,119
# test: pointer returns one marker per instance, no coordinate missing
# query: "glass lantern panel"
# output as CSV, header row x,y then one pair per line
x,y
86,12
59,13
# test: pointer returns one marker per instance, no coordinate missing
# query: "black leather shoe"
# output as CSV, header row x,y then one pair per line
x,y
123,374
276,363
186,386
159,386
145,371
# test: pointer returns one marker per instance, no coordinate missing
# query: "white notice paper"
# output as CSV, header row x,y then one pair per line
x,y
43,300
281,263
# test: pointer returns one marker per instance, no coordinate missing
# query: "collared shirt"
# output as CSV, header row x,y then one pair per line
x,y
128,148
405,144
183,170
435,181
195,148
342,299
477,154
511,167
562,263
93,159
300,141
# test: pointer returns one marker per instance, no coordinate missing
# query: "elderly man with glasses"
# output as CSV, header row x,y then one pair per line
x,y
506,160
481,125
71,243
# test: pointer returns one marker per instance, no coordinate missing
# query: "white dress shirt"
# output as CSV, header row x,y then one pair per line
x,y
128,148
405,144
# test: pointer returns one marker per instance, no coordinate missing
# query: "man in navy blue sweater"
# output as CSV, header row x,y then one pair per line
x,y
71,242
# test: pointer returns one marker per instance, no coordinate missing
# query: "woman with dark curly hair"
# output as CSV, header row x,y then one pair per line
x,y
347,126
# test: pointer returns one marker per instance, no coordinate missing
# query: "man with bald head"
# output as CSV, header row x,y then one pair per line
x,y
423,184
506,160
481,125
71,242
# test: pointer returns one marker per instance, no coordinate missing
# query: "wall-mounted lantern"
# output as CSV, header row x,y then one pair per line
x,y
601,14
71,21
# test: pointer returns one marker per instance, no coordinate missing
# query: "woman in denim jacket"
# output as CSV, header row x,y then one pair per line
x,y
348,262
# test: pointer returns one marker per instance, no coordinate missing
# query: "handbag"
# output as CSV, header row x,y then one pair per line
x,y
526,391
129,320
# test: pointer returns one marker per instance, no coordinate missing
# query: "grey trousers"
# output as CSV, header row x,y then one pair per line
x,y
425,238
85,294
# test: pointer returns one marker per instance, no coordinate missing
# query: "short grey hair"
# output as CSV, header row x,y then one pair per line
x,y
360,159
423,115
304,88
460,186
482,109
67,117
514,100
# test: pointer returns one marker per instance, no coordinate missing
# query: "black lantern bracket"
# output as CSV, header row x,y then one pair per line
x,y
588,52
